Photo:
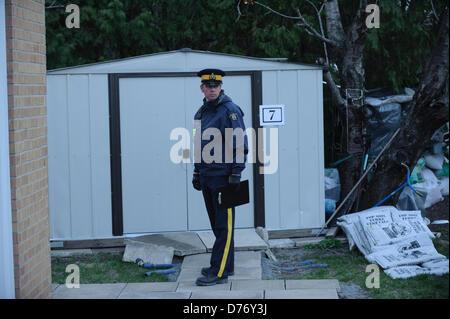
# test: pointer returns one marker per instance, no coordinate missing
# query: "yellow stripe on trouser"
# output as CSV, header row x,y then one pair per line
x,y
227,245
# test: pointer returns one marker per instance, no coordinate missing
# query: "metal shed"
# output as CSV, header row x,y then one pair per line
x,y
109,127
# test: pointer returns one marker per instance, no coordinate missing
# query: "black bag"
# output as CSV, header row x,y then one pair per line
x,y
229,197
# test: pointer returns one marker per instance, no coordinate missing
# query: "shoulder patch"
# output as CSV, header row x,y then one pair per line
x,y
233,116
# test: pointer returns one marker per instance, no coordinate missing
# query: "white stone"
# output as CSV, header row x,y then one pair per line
x,y
149,253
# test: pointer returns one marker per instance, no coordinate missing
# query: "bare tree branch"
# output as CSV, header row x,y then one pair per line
x,y
304,24
54,5
329,79
434,11
321,28
239,11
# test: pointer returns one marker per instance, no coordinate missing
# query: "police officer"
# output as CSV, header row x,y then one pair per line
x,y
218,111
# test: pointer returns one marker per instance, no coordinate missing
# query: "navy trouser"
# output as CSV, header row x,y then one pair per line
x,y
222,224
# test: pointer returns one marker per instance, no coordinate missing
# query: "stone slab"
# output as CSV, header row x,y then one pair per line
x,y
281,243
89,291
332,232
247,265
220,294
301,242
244,239
184,243
313,284
156,295
247,259
301,294
150,287
242,273
250,259
191,286
149,253
189,274
197,261
257,284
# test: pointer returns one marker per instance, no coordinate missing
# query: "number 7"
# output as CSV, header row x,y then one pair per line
x,y
273,113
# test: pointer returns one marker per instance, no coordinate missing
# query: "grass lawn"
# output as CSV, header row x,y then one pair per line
x,y
102,268
350,266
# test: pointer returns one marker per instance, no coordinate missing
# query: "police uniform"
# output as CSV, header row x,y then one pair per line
x,y
221,113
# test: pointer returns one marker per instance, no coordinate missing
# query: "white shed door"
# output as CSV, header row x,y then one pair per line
x,y
157,195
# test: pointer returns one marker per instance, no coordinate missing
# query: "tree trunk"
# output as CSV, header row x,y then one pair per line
x,y
348,55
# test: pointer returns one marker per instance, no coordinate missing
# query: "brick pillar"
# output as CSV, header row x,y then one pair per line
x,y
27,112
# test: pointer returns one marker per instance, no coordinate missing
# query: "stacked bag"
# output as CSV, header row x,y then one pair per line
x,y
398,241
429,176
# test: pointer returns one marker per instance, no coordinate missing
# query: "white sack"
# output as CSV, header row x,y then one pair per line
x,y
404,272
443,186
434,161
416,250
414,220
431,191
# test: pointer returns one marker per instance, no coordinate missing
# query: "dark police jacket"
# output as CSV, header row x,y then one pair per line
x,y
221,113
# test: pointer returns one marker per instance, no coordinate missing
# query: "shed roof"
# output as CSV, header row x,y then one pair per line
x,y
184,60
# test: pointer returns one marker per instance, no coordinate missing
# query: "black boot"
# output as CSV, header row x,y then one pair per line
x,y
211,280
205,271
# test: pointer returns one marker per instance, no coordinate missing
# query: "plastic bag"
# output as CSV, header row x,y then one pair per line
x,y
382,125
443,186
416,175
408,200
332,184
442,172
330,206
434,161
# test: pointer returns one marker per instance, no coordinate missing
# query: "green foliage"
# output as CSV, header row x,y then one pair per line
x,y
102,268
123,28
350,266
325,244
396,53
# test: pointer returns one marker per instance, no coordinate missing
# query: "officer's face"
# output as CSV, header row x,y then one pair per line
x,y
211,92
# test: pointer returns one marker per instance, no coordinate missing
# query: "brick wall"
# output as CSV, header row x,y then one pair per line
x,y
26,68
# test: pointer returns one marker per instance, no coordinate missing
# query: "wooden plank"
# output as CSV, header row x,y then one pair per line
x,y
332,232
291,233
92,243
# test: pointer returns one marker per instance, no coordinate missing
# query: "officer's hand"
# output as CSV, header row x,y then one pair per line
x,y
234,181
196,182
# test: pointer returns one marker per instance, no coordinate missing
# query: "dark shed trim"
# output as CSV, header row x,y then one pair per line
x,y
115,147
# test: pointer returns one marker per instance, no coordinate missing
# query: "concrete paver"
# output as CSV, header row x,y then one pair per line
x,y
244,239
233,294
281,243
257,284
156,295
89,291
245,284
189,274
247,265
313,284
145,287
241,273
191,286
302,294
